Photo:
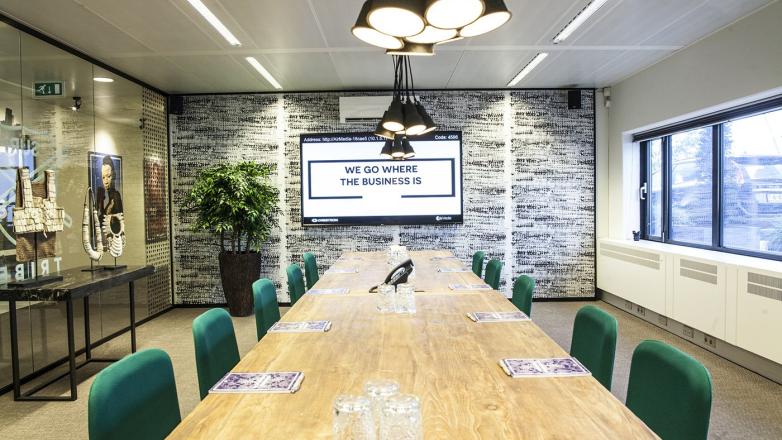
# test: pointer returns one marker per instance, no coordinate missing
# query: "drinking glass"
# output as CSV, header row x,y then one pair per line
x,y
353,418
386,298
405,298
378,391
401,418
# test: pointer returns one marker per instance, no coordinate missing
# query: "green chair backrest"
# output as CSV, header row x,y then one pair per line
x,y
310,269
296,287
477,263
670,391
594,342
267,310
492,277
215,347
523,288
134,398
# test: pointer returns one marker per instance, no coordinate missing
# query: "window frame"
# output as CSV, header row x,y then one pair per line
x,y
715,121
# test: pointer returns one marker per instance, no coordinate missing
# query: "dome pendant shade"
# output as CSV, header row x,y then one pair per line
x,y
414,123
428,122
452,14
431,35
407,149
364,32
394,118
413,49
495,15
381,131
397,150
398,18
386,151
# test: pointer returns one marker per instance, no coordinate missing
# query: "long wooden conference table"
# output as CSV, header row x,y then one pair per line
x,y
448,361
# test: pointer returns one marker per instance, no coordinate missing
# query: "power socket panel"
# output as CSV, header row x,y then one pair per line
x,y
710,341
688,332
640,310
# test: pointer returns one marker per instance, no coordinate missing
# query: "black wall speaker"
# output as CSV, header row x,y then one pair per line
x,y
176,105
574,99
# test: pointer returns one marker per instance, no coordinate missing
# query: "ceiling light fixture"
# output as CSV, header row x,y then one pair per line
x,y
76,103
265,73
578,20
399,18
453,14
103,79
366,33
495,15
528,68
215,22
413,27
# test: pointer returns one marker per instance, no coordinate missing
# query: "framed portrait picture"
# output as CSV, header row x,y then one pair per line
x,y
105,178
155,210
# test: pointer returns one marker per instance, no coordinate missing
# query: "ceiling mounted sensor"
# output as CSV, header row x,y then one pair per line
x,y
431,35
76,103
398,18
578,20
413,49
366,33
452,14
495,15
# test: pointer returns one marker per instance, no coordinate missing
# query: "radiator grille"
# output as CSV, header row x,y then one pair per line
x,y
700,276
765,286
695,265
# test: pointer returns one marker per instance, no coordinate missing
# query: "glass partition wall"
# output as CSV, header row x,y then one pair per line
x,y
62,113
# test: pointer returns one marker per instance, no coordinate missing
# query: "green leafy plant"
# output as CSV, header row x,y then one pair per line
x,y
237,201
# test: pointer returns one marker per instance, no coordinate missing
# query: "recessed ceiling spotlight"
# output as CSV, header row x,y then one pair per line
x,y
528,68
431,35
399,18
366,33
103,79
495,15
578,20
215,22
453,14
76,103
265,73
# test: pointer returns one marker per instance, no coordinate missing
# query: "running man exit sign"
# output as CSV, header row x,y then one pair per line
x,y
43,89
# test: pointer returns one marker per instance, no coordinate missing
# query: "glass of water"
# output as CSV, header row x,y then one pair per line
x,y
386,298
405,298
401,418
353,418
378,391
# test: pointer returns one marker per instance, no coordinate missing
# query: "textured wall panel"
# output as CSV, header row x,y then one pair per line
x,y
528,170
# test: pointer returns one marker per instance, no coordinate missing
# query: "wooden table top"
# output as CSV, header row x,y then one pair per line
x,y
437,354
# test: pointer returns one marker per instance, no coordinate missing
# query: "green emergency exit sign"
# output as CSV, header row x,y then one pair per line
x,y
43,89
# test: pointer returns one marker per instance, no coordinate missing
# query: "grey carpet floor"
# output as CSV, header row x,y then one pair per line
x,y
746,406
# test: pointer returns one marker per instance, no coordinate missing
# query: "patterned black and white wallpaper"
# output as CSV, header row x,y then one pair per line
x,y
529,185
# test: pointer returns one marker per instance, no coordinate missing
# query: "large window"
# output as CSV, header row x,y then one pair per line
x,y
717,184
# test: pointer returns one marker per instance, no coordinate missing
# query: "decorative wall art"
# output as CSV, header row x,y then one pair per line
x,y
37,218
106,175
155,210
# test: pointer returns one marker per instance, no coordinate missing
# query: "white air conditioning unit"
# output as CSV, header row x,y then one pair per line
x,y
362,108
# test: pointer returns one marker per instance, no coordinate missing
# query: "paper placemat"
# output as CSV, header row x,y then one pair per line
x,y
498,316
548,367
479,286
277,382
334,291
300,327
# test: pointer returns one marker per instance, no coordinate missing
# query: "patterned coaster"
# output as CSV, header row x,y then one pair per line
x,y
549,367
498,316
300,327
283,382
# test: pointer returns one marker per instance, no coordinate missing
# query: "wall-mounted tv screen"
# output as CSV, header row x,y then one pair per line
x,y
344,181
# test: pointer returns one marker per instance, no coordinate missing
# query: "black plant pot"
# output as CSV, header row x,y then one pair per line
x,y
238,272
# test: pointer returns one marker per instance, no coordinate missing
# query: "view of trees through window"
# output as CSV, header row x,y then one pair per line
x,y
680,179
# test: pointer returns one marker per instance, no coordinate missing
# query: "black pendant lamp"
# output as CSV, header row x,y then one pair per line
x,y
407,149
366,33
399,18
494,15
397,149
381,131
386,151
428,122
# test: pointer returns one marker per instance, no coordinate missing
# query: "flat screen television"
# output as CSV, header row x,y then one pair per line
x,y
344,181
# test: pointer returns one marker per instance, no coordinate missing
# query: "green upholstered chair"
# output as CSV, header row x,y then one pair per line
x,y
215,347
134,398
477,263
670,391
267,310
310,269
523,288
296,287
594,342
492,276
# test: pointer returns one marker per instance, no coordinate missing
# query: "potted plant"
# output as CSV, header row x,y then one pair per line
x,y
238,202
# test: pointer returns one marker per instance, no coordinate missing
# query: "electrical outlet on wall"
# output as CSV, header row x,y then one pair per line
x,y
662,320
689,332
640,310
628,305
710,341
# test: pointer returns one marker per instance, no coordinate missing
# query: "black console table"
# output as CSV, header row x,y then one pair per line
x,y
74,285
